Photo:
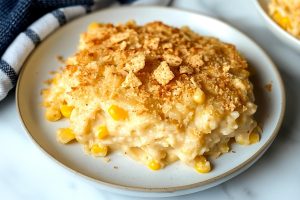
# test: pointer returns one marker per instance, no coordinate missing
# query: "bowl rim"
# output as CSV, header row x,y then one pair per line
x,y
233,171
275,26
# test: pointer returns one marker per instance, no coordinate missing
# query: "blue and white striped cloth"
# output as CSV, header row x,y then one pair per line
x,y
26,23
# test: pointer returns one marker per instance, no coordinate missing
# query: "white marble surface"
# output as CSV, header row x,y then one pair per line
x,y
25,173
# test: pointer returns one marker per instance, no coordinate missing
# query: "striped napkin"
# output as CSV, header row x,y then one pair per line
x,y
26,23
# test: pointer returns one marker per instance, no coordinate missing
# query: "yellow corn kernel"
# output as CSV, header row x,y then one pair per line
x,y
102,132
93,26
99,150
117,113
66,110
65,135
154,165
241,140
52,114
224,148
284,22
202,165
54,81
199,96
254,137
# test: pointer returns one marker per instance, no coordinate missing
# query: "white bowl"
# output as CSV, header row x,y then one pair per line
x,y
132,178
283,35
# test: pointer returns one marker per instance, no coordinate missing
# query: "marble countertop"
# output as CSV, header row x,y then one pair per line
x,y
25,173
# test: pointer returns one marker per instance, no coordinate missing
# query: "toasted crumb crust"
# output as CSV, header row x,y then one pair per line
x,y
154,65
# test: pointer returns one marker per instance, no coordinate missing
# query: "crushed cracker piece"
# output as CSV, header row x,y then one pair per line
x,y
60,58
184,69
131,81
167,45
123,45
152,43
106,159
119,37
196,61
163,74
172,60
136,63
268,87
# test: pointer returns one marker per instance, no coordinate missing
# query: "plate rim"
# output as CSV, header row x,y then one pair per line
x,y
234,171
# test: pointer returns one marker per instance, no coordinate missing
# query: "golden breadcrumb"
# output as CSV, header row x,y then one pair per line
x,y
212,65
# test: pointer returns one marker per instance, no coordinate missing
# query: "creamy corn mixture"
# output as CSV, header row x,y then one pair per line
x,y
287,14
156,93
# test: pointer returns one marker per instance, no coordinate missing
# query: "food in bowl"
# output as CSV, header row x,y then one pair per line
x,y
286,13
154,92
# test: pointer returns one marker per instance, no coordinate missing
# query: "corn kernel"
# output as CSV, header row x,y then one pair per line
x,y
154,165
117,113
241,140
284,22
99,150
102,132
224,148
93,26
202,165
254,137
54,81
66,110
199,96
52,114
65,135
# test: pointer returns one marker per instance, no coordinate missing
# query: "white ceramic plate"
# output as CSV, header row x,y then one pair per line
x,y
284,36
131,177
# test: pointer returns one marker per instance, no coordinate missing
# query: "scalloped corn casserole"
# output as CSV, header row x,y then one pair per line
x,y
154,92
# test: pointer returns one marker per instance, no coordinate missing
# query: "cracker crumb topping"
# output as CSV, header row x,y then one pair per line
x,y
158,64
